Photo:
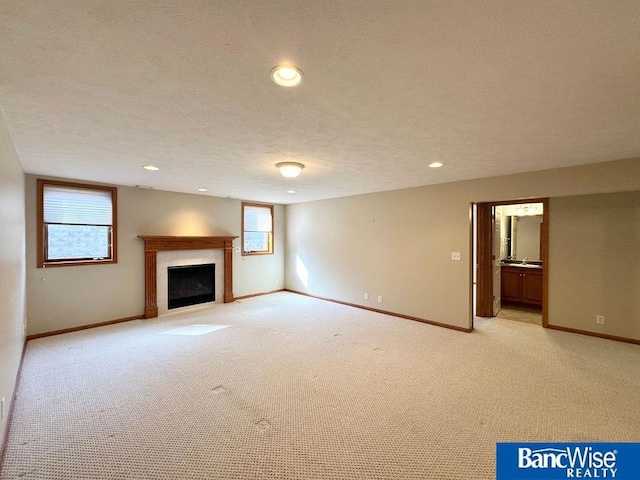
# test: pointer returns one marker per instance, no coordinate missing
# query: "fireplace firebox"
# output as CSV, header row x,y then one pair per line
x,y
191,285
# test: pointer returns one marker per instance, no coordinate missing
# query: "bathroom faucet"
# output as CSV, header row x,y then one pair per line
x,y
524,261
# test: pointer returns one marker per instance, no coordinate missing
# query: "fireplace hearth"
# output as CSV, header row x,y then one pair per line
x,y
191,285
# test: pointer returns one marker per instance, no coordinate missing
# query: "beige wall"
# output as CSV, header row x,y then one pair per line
x,y
65,297
398,244
12,268
596,262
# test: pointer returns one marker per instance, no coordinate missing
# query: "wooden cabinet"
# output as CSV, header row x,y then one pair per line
x,y
511,281
521,285
532,288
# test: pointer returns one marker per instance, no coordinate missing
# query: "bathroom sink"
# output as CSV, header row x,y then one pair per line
x,y
521,265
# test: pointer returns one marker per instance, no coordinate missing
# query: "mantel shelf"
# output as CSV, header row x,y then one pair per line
x,y
165,242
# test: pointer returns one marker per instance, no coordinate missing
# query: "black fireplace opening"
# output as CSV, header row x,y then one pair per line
x,y
191,285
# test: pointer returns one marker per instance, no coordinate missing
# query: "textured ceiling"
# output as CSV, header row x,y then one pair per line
x,y
93,90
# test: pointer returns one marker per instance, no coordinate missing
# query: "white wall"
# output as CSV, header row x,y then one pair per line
x,y
398,244
395,244
595,262
66,297
12,267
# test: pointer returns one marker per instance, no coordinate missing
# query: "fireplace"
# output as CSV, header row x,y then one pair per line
x,y
153,245
191,285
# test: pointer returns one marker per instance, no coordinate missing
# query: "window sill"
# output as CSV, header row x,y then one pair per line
x,y
76,263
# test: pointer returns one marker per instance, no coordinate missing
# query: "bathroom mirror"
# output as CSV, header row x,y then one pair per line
x,y
521,237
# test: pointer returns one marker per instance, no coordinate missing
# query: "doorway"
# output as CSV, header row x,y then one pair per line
x,y
506,250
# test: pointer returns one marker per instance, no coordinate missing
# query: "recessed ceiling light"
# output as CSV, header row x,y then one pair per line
x,y
150,167
286,76
202,190
436,164
291,191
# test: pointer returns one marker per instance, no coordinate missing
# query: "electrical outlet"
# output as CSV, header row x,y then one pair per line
x,y
455,255
600,319
275,281
237,249
379,298
366,296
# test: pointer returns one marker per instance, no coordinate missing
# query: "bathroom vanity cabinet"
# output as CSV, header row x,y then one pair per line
x,y
522,285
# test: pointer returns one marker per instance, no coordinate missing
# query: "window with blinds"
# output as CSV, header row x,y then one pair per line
x,y
257,229
77,223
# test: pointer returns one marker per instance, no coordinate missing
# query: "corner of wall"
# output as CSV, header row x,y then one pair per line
x,y
12,273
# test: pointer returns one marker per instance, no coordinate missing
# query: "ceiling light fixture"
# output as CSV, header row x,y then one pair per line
x,y
286,76
150,167
202,190
291,191
290,169
436,164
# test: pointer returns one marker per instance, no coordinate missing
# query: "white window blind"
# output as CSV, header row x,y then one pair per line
x,y
257,219
77,206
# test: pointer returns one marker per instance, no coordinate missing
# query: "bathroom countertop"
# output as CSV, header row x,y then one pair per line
x,y
522,265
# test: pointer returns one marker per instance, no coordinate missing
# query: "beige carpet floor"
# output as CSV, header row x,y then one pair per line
x,y
299,388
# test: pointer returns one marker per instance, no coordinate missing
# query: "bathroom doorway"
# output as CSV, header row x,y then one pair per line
x,y
511,260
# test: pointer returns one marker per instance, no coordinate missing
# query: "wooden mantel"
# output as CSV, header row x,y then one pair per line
x,y
154,244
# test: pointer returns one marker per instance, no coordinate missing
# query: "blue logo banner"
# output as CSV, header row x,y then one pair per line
x,y
559,461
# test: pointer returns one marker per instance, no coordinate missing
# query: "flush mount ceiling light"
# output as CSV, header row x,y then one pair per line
x,y
436,164
290,169
150,167
202,189
286,76
291,191
527,210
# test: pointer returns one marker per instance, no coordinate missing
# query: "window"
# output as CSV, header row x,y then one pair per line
x,y
76,224
257,229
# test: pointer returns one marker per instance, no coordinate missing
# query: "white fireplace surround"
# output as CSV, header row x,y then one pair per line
x,y
176,258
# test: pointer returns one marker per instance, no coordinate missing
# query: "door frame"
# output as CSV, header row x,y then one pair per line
x,y
484,256
484,261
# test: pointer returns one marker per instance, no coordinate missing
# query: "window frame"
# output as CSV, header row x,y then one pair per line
x,y
271,240
42,261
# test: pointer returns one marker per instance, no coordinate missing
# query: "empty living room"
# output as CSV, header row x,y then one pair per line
x,y
321,240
